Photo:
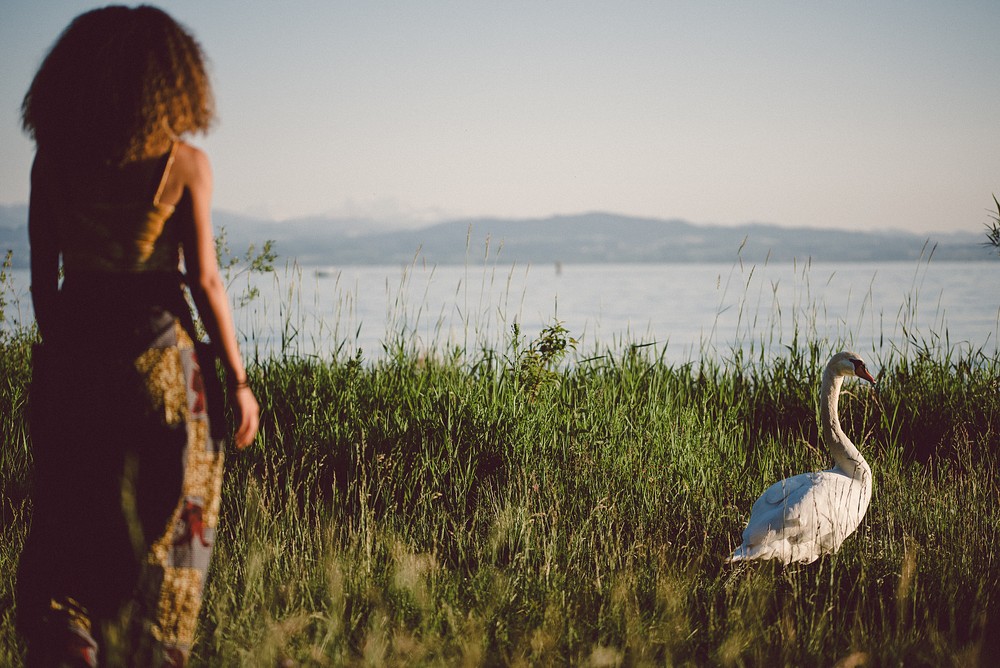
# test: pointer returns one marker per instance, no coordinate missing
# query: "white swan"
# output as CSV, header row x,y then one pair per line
x,y
808,515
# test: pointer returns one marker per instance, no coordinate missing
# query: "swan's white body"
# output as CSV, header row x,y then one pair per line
x,y
809,515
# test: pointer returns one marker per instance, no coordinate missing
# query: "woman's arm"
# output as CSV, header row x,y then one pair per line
x,y
43,208
207,288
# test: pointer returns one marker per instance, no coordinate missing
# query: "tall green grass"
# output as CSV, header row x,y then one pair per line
x,y
498,507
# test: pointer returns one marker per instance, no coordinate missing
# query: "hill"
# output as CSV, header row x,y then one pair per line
x,y
584,238
589,238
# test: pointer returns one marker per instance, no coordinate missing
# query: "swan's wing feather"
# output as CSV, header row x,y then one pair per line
x,y
776,512
828,511
777,493
843,503
798,518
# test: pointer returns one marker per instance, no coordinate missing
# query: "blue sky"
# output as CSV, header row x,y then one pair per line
x,y
861,115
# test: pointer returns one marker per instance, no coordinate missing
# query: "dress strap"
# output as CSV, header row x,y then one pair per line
x,y
166,173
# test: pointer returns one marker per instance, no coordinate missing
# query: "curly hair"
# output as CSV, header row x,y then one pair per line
x,y
119,85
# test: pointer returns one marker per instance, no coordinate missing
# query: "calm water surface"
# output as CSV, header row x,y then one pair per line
x,y
684,311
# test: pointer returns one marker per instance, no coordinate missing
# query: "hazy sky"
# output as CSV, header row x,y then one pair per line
x,y
836,114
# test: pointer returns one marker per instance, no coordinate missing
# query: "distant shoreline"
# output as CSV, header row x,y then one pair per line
x,y
589,238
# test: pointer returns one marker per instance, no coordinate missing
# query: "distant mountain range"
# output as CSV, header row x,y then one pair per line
x,y
584,238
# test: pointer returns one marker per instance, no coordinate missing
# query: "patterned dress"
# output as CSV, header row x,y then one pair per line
x,y
126,436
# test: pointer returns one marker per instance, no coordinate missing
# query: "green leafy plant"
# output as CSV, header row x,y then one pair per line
x,y
535,365
252,261
5,286
993,227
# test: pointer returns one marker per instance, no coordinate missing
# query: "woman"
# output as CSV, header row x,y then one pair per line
x,y
128,461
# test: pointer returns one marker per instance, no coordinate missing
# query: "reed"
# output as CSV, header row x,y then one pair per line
x,y
525,504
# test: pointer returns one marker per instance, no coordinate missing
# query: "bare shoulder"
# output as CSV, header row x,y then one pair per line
x,y
190,173
192,164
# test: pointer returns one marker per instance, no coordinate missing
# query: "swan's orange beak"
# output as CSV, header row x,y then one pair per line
x,y
861,371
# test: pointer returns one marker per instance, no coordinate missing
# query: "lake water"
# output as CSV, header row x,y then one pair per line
x,y
683,311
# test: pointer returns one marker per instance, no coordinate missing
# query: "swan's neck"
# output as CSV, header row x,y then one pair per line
x,y
845,454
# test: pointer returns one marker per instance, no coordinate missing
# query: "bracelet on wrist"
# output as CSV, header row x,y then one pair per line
x,y
241,383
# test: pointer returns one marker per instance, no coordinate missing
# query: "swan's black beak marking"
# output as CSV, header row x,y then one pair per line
x,y
862,372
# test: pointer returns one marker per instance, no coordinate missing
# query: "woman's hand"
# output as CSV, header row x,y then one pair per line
x,y
247,416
